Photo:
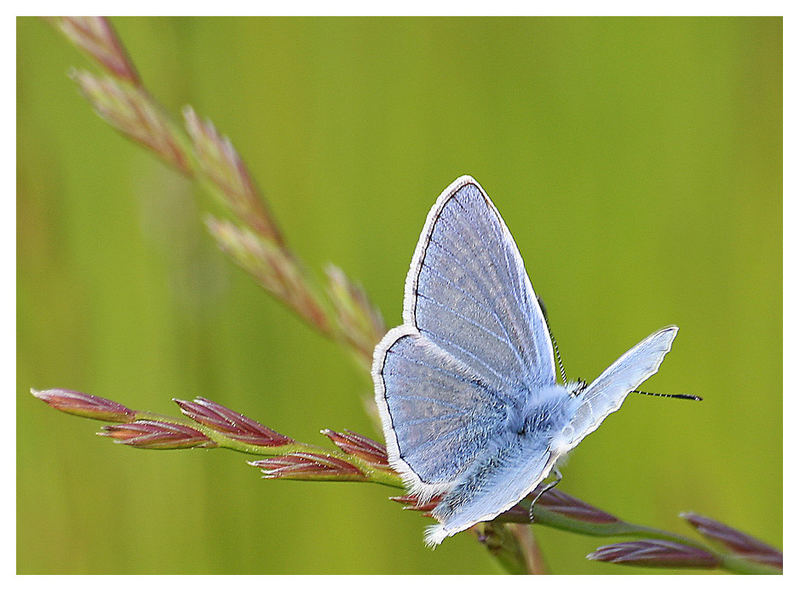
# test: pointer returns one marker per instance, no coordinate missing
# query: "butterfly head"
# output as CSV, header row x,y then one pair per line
x,y
576,388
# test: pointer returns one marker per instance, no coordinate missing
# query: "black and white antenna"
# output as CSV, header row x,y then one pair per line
x,y
553,340
680,396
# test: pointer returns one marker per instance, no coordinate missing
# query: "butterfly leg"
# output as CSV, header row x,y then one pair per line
x,y
544,490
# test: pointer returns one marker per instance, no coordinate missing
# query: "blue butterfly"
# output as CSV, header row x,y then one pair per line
x,y
466,386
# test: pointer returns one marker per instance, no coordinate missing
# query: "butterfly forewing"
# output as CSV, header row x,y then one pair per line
x,y
607,393
468,292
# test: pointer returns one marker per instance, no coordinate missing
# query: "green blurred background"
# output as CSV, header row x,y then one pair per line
x,y
636,161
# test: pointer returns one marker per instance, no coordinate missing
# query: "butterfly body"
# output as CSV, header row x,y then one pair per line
x,y
543,413
466,386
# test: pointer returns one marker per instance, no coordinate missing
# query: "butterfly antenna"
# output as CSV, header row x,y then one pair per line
x,y
558,357
553,340
681,396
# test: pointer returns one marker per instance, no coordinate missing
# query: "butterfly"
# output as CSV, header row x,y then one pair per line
x,y
466,386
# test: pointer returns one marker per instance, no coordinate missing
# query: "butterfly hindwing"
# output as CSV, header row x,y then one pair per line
x,y
495,482
431,401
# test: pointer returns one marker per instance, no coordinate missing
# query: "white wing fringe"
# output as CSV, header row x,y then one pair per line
x,y
435,534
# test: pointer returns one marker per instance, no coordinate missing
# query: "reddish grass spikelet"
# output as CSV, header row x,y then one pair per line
x,y
84,405
410,502
131,111
96,36
742,544
305,466
221,163
517,513
229,422
655,553
555,500
157,435
364,448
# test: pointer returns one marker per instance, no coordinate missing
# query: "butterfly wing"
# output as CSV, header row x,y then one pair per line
x,y
606,394
437,415
467,291
473,344
493,484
